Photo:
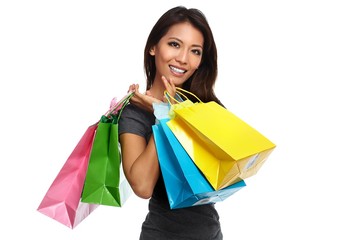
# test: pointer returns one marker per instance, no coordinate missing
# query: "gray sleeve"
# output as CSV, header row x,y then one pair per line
x,y
137,121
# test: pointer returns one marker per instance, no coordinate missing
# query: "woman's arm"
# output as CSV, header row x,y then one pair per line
x,y
139,159
140,163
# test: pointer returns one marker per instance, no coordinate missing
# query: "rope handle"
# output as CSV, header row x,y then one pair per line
x,y
181,92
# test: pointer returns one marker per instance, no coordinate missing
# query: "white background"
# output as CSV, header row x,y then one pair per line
x,y
288,68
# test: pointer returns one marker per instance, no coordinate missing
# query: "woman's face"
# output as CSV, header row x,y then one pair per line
x,y
178,53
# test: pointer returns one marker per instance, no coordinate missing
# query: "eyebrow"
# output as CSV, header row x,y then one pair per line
x,y
194,45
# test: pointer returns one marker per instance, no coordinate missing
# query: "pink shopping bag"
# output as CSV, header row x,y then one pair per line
x,y
62,200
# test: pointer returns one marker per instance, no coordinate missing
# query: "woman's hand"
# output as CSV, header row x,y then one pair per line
x,y
144,101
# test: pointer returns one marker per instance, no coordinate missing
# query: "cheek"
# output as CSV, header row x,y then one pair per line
x,y
166,54
195,63
161,59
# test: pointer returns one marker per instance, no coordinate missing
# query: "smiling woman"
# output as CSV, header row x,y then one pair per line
x,y
180,52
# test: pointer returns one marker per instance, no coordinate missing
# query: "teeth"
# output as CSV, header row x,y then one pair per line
x,y
177,70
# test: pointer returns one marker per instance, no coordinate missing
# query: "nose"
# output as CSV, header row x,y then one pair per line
x,y
182,56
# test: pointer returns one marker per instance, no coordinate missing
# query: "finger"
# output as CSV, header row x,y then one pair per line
x,y
172,85
165,81
130,88
168,84
170,89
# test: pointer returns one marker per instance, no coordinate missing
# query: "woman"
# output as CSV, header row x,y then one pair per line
x,y
180,52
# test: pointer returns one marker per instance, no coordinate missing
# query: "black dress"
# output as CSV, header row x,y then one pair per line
x,y
162,223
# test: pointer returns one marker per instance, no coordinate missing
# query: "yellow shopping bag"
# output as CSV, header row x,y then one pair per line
x,y
224,147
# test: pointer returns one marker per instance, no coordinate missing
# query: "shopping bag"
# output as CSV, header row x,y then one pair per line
x,y
62,200
224,147
185,184
105,182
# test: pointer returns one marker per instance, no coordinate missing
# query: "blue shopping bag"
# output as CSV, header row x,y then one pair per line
x,y
185,184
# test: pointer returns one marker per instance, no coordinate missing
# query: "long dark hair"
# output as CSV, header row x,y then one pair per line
x,y
202,82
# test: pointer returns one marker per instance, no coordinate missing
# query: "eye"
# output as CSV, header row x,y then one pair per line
x,y
174,44
197,52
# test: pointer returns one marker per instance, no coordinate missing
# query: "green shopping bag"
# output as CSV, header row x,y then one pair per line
x,y
105,183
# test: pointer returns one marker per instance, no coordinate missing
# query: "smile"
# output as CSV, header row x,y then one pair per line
x,y
177,70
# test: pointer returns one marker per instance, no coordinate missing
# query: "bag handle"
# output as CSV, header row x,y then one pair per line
x,y
127,100
123,102
181,92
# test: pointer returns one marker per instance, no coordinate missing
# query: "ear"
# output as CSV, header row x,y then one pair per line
x,y
152,51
